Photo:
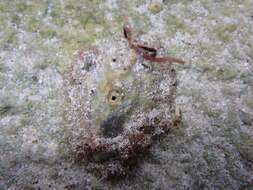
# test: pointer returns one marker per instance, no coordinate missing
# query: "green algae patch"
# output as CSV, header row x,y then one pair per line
x,y
9,38
7,105
61,62
247,77
127,9
2,66
244,145
155,8
249,51
208,50
5,109
223,32
90,18
139,2
22,6
95,2
209,111
171,2
224,74
176,23
47,32
42,65
29,7
204,66
33,25
248,101
95,31
231,119
3,22
86,26
16,19
3,7
231,27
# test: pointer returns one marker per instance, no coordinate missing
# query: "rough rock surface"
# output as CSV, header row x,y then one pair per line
x,y
213,147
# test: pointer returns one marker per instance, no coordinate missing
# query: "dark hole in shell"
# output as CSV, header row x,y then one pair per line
x,y
114,98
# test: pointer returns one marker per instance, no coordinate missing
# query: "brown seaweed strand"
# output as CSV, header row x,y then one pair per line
x,y
146,52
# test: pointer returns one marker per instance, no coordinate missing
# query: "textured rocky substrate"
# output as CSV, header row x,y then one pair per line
x,y
213,147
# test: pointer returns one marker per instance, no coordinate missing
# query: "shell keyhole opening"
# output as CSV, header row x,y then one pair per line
x,y
114,98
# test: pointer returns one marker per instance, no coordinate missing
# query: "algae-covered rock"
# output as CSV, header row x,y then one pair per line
x,y
210,149
155,7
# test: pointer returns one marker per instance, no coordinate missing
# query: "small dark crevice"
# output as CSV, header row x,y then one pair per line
x,y
113,125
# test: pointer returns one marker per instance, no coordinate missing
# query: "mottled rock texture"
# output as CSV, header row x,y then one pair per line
x,y
212,149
